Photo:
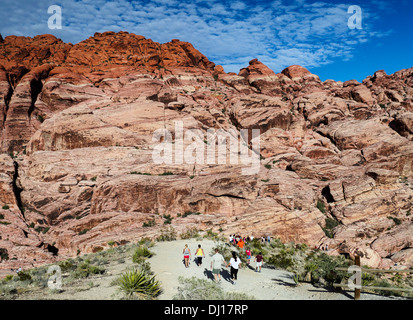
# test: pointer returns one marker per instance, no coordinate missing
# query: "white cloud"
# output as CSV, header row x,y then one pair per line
x,y
229,33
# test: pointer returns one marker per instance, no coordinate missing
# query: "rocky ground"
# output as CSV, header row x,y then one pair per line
x,y
77,125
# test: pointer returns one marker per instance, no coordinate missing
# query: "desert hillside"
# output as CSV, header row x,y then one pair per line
x,y
77,127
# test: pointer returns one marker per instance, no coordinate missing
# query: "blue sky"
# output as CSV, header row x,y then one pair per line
x,y
280,33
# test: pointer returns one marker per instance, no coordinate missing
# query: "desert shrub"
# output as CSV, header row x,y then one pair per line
x,y
149,224
146,242
384,284
211,235
188,213
201,289
8,290
330,224
8,278
276,243
137,283
283,260
321,206
67,265
83,231
24,276
84,269
323,267
166,173
302,247
256,244
141,252
396,220
190,233
168,219
367,279
167,234
39,277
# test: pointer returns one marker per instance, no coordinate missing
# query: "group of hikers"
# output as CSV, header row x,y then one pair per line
x,y
217,260
240,241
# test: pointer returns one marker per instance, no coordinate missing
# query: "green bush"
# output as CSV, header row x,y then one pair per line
x,y
149,224
83,231
141,252
383,284
276,243
167,234
257,246
111,243
24,276
8,278
321,206
84,269
168,219
367,279
138,283
211,235
67,265
323,266
188,213
330,224
190,233
167,173
284,259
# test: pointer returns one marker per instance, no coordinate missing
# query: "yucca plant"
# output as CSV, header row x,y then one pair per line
x,y
138,282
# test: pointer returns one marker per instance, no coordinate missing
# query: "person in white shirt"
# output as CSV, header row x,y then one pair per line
x,y
234,263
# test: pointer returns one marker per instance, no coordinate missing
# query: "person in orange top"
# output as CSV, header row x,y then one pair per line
x,y
241,244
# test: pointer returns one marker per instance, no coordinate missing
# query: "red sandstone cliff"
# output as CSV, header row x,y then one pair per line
x,y
77,121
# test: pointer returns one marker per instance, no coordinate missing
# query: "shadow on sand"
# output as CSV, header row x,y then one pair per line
x,y
224,274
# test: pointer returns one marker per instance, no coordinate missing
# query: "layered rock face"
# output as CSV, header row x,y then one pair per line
x,y
77,168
